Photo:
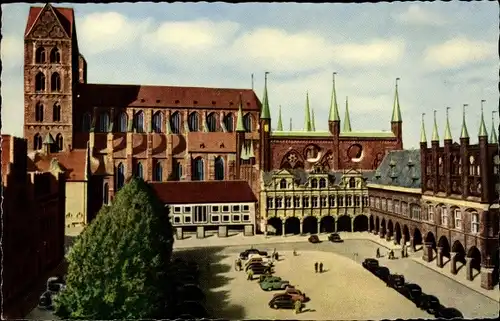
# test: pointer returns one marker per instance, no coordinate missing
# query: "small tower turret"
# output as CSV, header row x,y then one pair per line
x,y
397,120
464,158
334,117
484,158
307,121
280,123
313,123
423,155
448,140
493,137
265,131
347,118
240,139
435,157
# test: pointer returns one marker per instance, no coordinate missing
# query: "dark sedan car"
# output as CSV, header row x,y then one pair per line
x,y
382,273
370,264
396,281
314,239
259,268
244,255
449,313
335,238
283,301
429,303
411,291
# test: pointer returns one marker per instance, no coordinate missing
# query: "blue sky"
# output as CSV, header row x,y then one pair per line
x,y
446,54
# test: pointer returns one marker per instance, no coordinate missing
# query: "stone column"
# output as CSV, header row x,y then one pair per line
x,y
468,268
402,241
200,232
412,245
453,262
439,257
283,229
487,280
427,255
319,227
301,227
388,237
222,231
352,224
381,233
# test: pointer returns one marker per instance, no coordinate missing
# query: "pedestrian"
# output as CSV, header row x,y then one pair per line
x,y
239,264
276,256
391,254
321,267
402,252
298,306
236,265
316,267
378,253
294,252
250,275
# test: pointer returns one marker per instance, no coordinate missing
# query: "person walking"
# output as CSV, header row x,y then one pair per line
x,y
250,275
378,253
321,267
403,252
298,306
316,267
294,252
239,264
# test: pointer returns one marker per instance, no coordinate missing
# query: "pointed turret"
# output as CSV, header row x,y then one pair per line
x,y
347,118
251,154
447,130
464,133
493,137
482,126
423,136
396,110
334,109
264,113
290,124
244,152
239,120
280,123
313,123
307,122
435,133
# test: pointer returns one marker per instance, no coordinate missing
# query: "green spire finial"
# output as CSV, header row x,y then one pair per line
x,y
334,109
435,134
307,123
423,137
482,127
313,124
239,121
280,123
396,110
465,132
265,114
493,137
347,118
447,131
290,123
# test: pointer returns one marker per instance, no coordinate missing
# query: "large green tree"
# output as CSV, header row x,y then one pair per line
x,y
118,267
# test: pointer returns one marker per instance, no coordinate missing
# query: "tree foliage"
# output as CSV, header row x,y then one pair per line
x,y
118,267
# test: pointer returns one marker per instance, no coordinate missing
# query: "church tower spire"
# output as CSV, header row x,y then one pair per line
x,y
447,130
493,137
265,131
396,109
334,117
280,122
465,132
435,132
265,113
307,122
482,126
313,123
347,118
423,136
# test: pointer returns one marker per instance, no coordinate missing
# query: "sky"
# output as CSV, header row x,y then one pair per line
x,y
445,53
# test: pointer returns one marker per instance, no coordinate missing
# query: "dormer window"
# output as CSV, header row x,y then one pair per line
x,y
352,182
322,183
314,183
283,183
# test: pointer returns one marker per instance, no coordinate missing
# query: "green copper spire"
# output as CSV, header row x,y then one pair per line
x,y
465,132
423,137
313,123
307,123
280,123
447,131
493,137
482,127
250,150
334,109
396,110
239,121
435,133
290,124
244,151
264,113
347,118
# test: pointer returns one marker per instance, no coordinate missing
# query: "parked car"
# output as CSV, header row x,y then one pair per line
x,y
295,293
282,301
449,313
192,308
429,303
314,239
335,238
244,254
382,273
370,264
259,268
268,277
396,281
274,284
411,291
190,292
255,260
45,301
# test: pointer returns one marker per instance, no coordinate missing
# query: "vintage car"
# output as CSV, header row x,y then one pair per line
x,y
335,238
396,281
244,255
314,239
370,264
268,277
411,291
449,313
259,268
295,293
282,301
429,303
382,273
274,284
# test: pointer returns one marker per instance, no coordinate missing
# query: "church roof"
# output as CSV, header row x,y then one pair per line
x,y
399,168
72,163
65,16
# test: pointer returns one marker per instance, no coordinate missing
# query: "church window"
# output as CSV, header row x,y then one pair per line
x,y
247,122
39,112
105,194
55,82
296,201
331,201
198,169
283,183
139,172
348,200
314,183
323,201
40,55
219,169
352,183
158,171
440,166
59,142
322,183
139,122
340,201
270,202
175,123
279,202
314,201
37,142
56,112
474,222
357,201
177,170
40,81
305,201
103,122
157,121
212,122
228,122
122,122
193,122
55,56
120,176
86,122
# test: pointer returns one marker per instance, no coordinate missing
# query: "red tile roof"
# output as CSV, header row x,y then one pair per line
x,y
204,192
72,162
65,16
166,96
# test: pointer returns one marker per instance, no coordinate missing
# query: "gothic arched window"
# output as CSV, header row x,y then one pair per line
x,y
314,183
40,55
352,183
55,56
193,122
56,112
59,142
104,122
157,121
198,170
177,170
55,82
219,169
139,122
105,194
322,183
122,122
139,171
228,122
37,142
175,123
212,122
40,81
120,176
158,172
39,112
283,183
86,122
247,122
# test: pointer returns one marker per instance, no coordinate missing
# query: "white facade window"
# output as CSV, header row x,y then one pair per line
x,y
177,209
187,219
331,201
215,209
340,201
270,202
245,208
305,201
296,201
415,212
430,212
397,207
372,201
444,216
279,202
457,216
384,204
177,219
215,218
365,201
389,206
348,200
236,218
323,201
357,201
377,202
404,209
236,208
225,218
187,209
225,208
283,183
246,218
314,201
474,222
288,202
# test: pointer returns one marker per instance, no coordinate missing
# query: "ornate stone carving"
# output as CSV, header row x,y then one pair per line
x,y
40,32
56,32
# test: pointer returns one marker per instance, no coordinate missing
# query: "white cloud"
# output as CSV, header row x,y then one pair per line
x,y
108,31
416,15
12,51
374,52
458,52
